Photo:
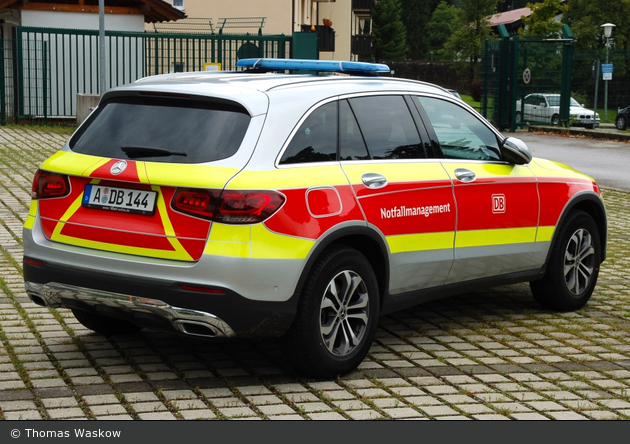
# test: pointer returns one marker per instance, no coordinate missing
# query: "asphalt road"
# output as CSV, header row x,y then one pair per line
x,y
604,160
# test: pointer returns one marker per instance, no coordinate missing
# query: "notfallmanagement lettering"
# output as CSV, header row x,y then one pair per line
x,y
403,211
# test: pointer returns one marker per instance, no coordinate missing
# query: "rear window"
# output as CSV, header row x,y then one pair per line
x,y
162,130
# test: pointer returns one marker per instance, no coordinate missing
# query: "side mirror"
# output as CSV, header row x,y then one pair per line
x,y
516,151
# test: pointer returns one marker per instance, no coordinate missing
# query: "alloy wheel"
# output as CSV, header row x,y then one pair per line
x,y
344,313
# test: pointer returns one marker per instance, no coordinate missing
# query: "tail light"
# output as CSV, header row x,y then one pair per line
x,y
47,184
228,207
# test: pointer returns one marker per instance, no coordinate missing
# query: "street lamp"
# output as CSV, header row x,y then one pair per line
x,y
608,27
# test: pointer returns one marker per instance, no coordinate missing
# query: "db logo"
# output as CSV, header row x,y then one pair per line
x,y
498,203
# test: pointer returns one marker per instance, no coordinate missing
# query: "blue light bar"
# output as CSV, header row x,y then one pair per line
x,y
315,65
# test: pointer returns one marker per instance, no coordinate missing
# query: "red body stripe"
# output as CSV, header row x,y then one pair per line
x,y
130,174
294,218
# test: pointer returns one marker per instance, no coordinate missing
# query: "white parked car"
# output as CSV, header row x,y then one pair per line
x,y
546,108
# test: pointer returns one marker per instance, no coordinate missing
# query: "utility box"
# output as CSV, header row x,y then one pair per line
x,y
85,104
305,45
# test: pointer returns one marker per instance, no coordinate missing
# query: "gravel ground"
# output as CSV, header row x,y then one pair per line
x,y
493,355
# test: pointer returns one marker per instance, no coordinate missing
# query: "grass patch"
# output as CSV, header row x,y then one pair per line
x,y
57,128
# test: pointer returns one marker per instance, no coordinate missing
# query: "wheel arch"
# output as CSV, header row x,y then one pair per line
x,y
592,204
363,239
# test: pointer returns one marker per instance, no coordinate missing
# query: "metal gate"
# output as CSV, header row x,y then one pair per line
x,y
527,80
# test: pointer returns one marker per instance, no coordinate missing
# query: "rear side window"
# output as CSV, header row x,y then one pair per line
x,y
388,127
163,130
316,139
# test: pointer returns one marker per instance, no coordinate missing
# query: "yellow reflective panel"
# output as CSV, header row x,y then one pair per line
x,y
503,236
328,175
184,175
230,233
229,249
420,242
548,168
425,171
491,170
545,233
269,245
29,223
180,254
73,164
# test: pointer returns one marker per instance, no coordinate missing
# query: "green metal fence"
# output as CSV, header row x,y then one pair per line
x,y
45,68
516,67
517,70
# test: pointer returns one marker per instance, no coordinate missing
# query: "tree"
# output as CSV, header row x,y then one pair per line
x,y
388,31
443,21
416,15
543,21
585,18
466,42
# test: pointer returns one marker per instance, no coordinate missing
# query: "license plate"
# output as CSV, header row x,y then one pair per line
x,y
125,200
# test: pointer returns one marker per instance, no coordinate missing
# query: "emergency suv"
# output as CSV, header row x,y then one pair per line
x,y
302,206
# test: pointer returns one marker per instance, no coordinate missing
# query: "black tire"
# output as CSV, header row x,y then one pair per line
x,y
573,266
104,324
518,117
621,123
555,120
337,315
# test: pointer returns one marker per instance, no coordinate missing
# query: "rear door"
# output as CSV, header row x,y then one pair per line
x,y
497,202
403,191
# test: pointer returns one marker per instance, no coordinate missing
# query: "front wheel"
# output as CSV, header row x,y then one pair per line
x,y
337,315
573,266
621,123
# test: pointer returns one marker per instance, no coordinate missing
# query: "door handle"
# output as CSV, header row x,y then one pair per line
x,y
374,180
465,175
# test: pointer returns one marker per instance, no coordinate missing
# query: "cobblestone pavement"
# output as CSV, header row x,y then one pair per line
x,y
494,355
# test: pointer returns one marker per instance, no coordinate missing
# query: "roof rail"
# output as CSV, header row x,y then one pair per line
x,y
356,68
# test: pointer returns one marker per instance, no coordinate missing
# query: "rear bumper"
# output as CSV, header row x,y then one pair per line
x,y
157,304
192,322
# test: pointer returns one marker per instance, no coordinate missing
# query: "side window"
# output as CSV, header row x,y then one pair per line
x,y
533,100
460,133
316,139
387,127
351,143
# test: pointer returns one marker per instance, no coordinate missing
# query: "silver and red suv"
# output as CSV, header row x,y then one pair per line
x,y
298,206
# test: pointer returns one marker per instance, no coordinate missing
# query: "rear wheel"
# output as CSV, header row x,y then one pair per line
x,y
518,117
621,123
104,324
337,315
573,265
555,120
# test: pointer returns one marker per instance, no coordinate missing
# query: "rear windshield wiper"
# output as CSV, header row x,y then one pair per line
x,y
134,152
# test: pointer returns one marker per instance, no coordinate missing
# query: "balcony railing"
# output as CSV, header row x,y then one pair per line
x,y
363,5
362,44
